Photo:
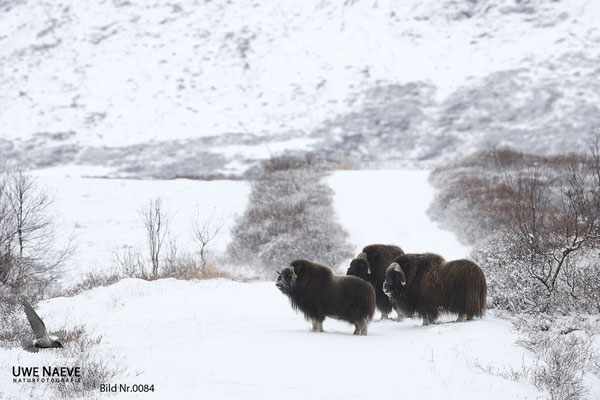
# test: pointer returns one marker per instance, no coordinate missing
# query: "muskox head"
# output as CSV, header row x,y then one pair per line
x,y
286,280
395,280
360,267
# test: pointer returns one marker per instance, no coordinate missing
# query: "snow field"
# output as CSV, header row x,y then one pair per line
x,y
227,340
102,215
388,207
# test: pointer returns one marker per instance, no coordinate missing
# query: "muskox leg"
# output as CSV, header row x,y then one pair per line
x,y
365,328
384,316
429,318
320,327
432,315
317,326
401,315
361,327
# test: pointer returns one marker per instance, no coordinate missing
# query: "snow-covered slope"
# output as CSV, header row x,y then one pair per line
x,y
193,87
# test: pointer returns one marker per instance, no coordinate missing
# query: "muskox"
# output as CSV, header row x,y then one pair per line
x,y
371,265
427,284
318,293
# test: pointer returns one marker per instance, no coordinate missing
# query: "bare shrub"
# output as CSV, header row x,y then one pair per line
x,y
511,373
28,258
96,368
289,216
131,263
13,326
174,265
181,267
187,267
156,224
534,222
563,358
544,258
587,275
563,354
92,280
472,197
204,232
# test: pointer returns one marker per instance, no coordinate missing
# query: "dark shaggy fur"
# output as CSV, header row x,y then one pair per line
x,y
318,293
371,265
427,285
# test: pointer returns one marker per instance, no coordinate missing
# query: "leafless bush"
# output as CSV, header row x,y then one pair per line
x,y
28,257
545,254
534,223
95,368
204,232
92,280
175,265
182,267
156,223
289,216
131,263
13,326
511,373
472,197
563,360
563,354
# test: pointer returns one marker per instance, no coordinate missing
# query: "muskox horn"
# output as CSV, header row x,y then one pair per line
x,y
278,273
396,267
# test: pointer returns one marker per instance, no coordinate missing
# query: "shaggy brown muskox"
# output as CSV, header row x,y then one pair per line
x,y
318,293
426,284
371,265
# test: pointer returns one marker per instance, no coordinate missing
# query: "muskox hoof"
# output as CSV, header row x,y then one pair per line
x,y
384,316
464,317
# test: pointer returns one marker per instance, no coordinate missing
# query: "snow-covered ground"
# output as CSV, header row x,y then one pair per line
x,y
229,340
103,215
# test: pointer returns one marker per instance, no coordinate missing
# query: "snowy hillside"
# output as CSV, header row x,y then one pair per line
x,y
194,88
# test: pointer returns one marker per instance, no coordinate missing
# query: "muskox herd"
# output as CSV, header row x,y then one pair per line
x,y
384,277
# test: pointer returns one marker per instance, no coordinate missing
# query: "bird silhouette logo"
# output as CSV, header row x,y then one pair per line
x,y
43,339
